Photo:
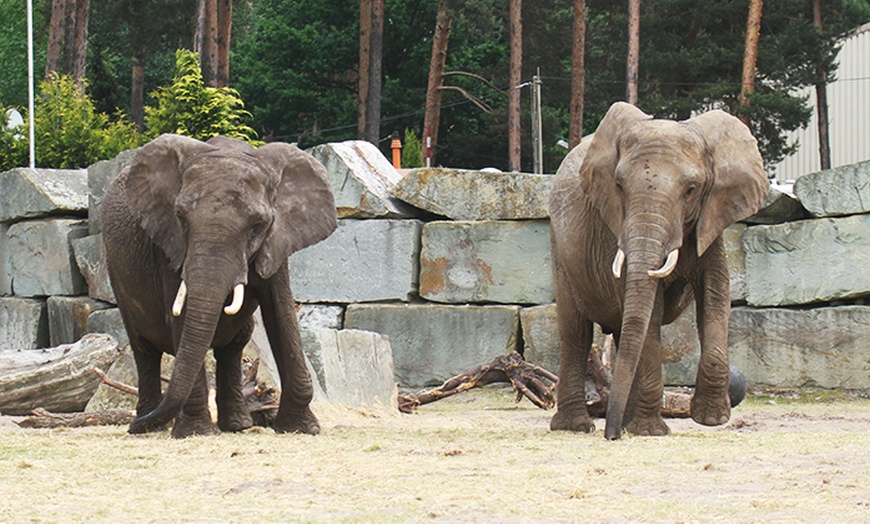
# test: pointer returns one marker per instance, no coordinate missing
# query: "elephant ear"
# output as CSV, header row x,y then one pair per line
x,y
153,183
597,173
303,204
740,184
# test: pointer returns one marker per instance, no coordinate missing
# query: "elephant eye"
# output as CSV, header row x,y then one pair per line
x,y
619,187
691,190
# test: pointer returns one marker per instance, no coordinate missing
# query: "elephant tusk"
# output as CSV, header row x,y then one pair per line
x,y
669,266
618,262
180,297
238,300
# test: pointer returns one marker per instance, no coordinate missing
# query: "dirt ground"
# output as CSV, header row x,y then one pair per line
x,y
476,457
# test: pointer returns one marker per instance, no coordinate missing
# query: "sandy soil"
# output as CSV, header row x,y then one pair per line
x,y
476,457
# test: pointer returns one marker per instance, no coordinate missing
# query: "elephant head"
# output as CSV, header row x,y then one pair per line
x,y
219,210
666,190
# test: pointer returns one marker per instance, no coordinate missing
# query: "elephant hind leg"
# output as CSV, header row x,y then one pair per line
x,y
643,413
194,418
232,413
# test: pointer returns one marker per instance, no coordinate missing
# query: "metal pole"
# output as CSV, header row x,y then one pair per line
x,y
537,128
30,119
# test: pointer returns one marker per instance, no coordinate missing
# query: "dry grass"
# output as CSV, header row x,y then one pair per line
x,y
475,457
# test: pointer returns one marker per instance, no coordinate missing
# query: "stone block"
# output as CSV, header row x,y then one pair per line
x,y
432,343
108,321
791,348
779,207
354,368
736,257
461,194
680,344
808,261
99,176
5,261
362,261
491,261
68,317
32,193
42,257
90,257
23,323
361,178
844,190
315,316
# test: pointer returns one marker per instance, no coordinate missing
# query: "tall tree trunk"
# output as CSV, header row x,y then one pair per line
x,y
578,73
225,28
208,58
55,36
69,37
373,96
822,97
199,28
633,51
137,90
750,57
80,42
516,72
436,78
365,40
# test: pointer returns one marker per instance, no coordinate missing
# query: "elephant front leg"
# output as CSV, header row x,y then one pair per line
x,y
232,413
710,403
643,413
575,340
148,372
297,390
194,418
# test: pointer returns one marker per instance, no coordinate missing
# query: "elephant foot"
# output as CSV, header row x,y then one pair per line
x,y
188,426
650,426
301,421
235,422
710,411
572,421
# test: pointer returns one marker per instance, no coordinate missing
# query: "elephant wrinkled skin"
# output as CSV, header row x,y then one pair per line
x,y
637,212
193,226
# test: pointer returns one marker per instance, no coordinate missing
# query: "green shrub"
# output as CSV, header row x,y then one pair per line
x,y
412,151
13,146
69,132
189,107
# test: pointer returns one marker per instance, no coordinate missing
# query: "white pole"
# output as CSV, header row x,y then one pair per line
x,y
30,82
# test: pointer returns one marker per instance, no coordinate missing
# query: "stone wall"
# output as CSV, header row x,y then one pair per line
x,y
453,267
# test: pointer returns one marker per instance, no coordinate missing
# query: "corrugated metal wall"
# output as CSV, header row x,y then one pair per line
x,y
848,114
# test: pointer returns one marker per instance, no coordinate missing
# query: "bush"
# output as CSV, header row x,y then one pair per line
x,y
13,146
69,132
412,153
188,107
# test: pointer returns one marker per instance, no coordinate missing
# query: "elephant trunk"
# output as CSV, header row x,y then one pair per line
x,y
206,293
648,259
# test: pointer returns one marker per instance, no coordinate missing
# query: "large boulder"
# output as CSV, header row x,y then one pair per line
x,y
32,193
361,178
90,257
808,261
5,262
99,176
42,257
362,261
461,194
353,368
489,261
23,323
843,190
791,348
432,343
68,317
780,206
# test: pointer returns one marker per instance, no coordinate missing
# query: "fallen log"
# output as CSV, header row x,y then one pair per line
x,y
40,418
57,379
533,382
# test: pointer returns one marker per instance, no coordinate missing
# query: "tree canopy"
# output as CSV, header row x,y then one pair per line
x,y
295,64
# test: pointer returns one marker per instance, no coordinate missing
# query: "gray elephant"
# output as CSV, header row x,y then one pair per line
x,y
197,235
637,212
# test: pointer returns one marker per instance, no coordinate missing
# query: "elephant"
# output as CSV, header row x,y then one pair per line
x,y
637,212
197,236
